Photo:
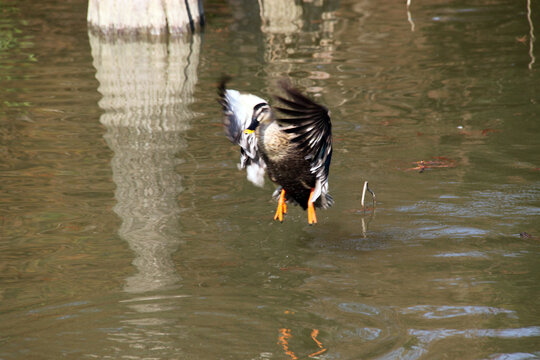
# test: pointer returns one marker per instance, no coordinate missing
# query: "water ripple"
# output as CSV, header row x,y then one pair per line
x,y
359,308
515,356
427,336
446,312
476,254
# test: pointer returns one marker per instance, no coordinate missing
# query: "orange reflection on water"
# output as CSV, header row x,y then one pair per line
x,y
285,335
283,340
322,349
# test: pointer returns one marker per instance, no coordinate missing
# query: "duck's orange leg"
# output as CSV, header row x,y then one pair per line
x,y
312,218
281,207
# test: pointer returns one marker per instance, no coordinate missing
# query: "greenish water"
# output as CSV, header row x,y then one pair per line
x,y
126,230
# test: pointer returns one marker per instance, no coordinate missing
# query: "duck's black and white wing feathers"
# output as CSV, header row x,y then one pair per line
x,y
238,109
310,127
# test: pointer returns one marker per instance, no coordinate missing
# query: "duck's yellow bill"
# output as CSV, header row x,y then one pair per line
x,y
247,131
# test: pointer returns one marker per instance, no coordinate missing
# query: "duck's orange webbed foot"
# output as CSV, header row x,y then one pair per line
x,y
312,217
281,207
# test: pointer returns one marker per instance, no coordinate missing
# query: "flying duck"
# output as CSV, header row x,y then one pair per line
x,y
292,142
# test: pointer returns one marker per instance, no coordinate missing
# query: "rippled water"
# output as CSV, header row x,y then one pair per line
x,y
126,230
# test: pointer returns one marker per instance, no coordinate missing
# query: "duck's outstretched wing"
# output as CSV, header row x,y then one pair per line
x,y
239,110
309,123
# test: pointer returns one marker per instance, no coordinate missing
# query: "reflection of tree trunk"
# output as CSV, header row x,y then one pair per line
x,y
280,16
147,87
291,26
144,16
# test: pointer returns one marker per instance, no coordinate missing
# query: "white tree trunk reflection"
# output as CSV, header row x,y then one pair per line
x,y
147,87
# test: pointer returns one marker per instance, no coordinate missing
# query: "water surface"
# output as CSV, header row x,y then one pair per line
x,y
126,230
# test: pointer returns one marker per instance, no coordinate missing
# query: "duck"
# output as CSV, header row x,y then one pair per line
x,y
291,142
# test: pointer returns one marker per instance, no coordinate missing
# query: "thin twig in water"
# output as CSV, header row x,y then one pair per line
x,y
364,195
373,196
366,188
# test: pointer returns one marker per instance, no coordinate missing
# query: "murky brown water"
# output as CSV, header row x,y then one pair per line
x,y
127,231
